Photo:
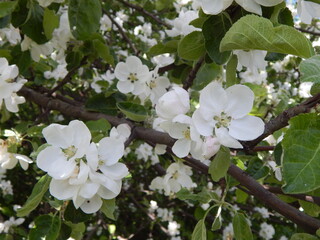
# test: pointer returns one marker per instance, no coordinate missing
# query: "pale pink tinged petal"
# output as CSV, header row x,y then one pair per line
x,y
62,190
116,171
91,205
225,139
106,193
250,6
55,134
89,189
122,71
240,101
110,150
204,127
246,128
47,158
213,98
181,147
268,3
125,87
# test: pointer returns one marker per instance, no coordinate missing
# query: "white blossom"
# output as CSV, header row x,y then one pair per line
x,y
36,50
228,232
46,3
267,231
263,211
253,60
12,34
6,225
181,24
308,10
223,113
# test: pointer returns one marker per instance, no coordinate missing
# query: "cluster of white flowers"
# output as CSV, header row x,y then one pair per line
x,y
135,78
146,152
266,231
12,222
10,34
80,169
263,211
177,177
228,232
6,187
9,85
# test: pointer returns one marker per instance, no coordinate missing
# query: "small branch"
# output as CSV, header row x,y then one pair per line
x,y
67,78
123,34
308,31
166,68
143,11
282,120
307,198
192,74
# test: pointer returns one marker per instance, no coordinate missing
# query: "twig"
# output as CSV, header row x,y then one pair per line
x,y
142,10
68,77
192,74
308,31
123,34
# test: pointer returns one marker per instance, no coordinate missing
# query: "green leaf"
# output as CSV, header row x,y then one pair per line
x,y
7,7
203,197
257,169
214,29
100,103
191,47
160,48
205,75
253,32
301,154
77,230
108,208
231,71
50,22
103,51
241,227
303,236
310,208
133,111
315,1
46,227
84,17
33,27
315,89
217,223
36,196
199,232
220,164
75,215
102,125
310,69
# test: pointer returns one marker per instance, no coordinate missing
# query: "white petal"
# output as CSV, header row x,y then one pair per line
x,y
116,171
215,6
185,181
121,71
106,193
268,3
181,147
62,190
203,126
91,205
89,189
240,101
110,150
246,128
225,139
125,86
56,135
250,6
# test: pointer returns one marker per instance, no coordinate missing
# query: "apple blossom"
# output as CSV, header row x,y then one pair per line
x,y
12,34
224,114
308,10
253,60
36,50
132,76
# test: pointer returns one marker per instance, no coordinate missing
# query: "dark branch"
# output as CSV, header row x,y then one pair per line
x,y
308,31
143,11
192,74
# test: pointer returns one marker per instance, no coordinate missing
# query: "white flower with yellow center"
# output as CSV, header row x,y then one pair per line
x,y
224,113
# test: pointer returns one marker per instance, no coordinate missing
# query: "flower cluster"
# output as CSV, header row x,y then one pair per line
x,y
9,86
80,169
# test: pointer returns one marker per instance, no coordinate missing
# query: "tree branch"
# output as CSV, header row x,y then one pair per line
x,y
308,223
308,31
143,11
192,74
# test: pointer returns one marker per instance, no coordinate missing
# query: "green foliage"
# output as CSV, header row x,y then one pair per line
x,y
75,215
253,32
200,232
214,29
133,111
36,196
301,154
7,7
108,208
84,17
220,164
50,22
191,47
303,236
46,227
205,75
310,69
160,48
241,227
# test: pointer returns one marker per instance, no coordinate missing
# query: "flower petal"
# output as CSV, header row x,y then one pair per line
x,y
91,205
240,101
246,128
89,189
62,190
225,139
250,6
110,150
203,126
181,147
116,171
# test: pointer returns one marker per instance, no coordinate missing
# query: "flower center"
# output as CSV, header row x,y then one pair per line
x,y
70,151
152,84
186,134
9,80
223,120
175,175
132,77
